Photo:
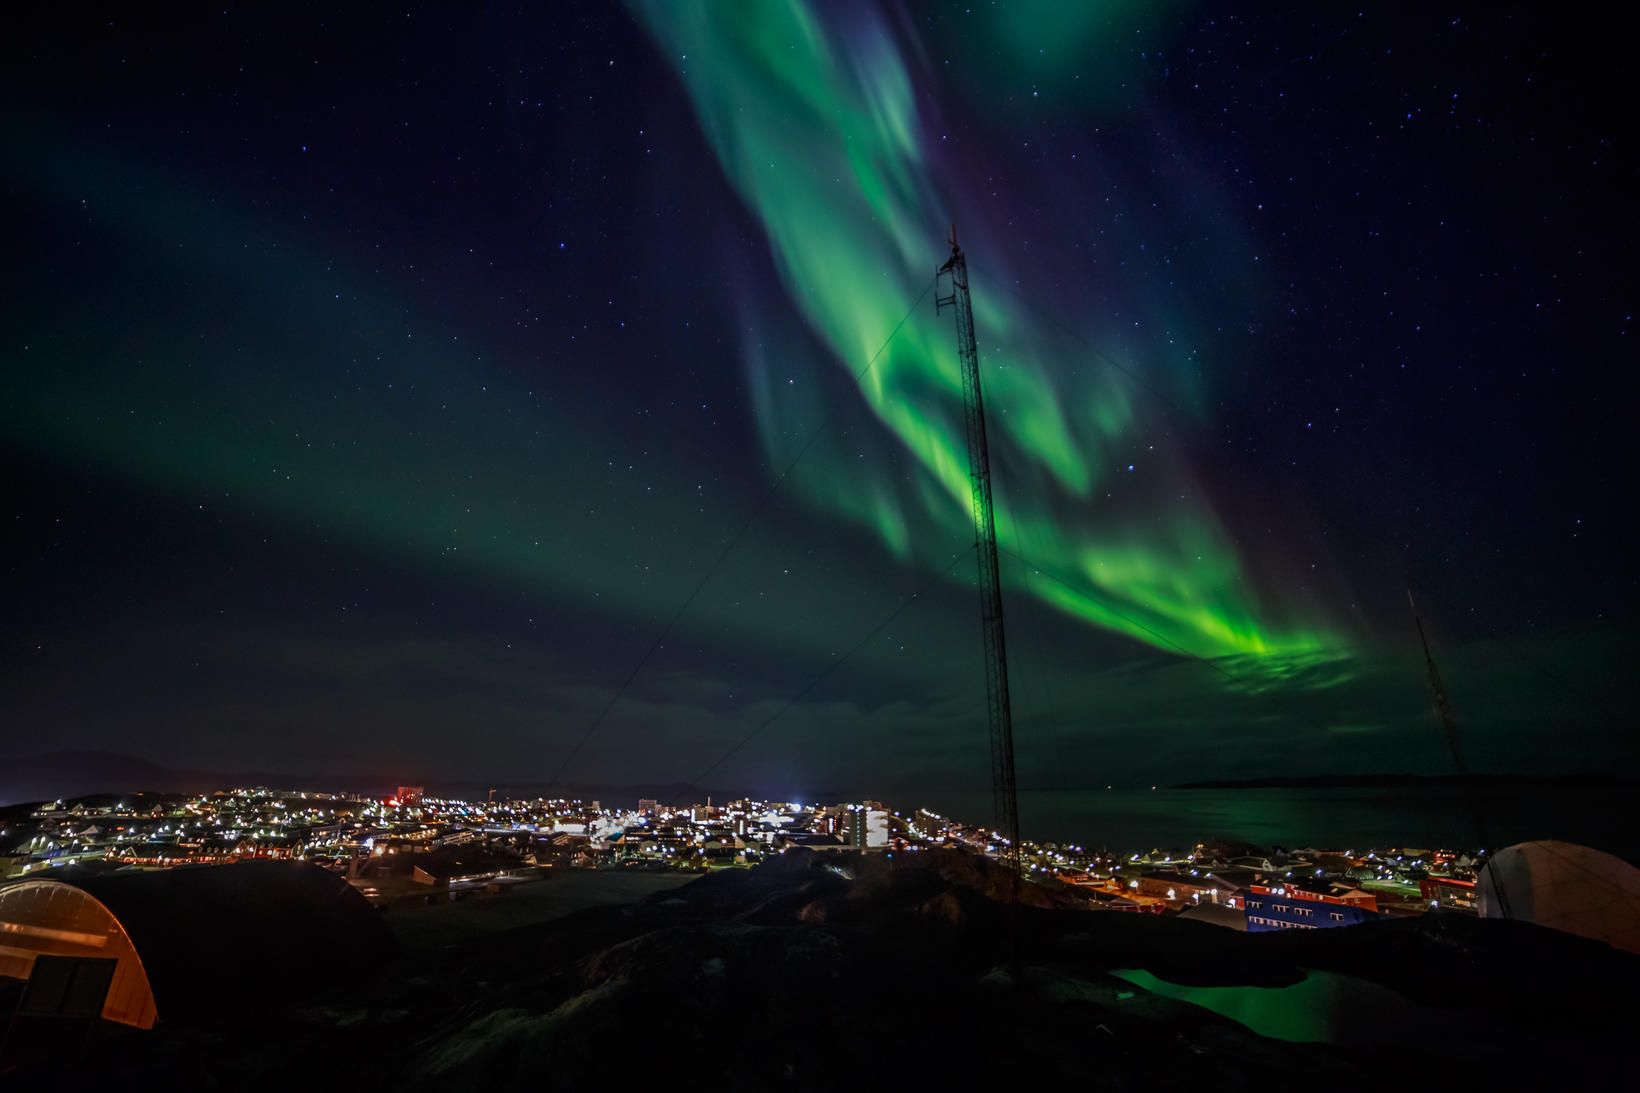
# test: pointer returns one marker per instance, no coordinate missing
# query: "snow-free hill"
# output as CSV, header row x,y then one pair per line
x,y
827,972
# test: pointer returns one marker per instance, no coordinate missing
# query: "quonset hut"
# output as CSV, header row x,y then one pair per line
x,y
180,942
1566,887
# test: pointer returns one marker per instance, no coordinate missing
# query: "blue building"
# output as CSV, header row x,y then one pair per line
x,y
1289,907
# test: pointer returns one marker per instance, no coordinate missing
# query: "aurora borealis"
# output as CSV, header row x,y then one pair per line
x,y
374,409
819,131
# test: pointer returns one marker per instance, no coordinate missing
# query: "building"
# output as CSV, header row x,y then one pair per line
x,y
867,826
1448,892
1183,888
1216,914
180,942
1566,887
808,840
1289,906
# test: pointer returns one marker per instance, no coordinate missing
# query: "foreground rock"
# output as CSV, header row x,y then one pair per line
x,y
828,972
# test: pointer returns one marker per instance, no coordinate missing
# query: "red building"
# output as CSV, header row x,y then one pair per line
x,y
1448,892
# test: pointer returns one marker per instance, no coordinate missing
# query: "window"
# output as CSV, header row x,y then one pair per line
x,y
1336,917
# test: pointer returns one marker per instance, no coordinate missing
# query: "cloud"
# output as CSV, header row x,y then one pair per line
x,y
477,708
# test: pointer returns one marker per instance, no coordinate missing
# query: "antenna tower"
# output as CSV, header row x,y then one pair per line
x,y
1004,788
1449,725
1443,707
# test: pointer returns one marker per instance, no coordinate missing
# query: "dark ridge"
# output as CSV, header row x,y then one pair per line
x,y
1399,781
68,775
822,972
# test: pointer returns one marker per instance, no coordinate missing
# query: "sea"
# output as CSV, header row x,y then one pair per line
x,y
1331,818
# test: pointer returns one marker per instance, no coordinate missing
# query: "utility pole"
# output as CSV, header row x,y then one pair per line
x,y
1004,789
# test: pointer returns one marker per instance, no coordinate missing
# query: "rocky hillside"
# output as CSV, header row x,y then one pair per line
x,y
823,972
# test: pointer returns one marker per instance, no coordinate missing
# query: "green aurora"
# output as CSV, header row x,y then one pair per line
x,y
341,398
821,134
826,147
292,386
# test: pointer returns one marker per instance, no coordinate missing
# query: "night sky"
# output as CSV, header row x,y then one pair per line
x,y
379,386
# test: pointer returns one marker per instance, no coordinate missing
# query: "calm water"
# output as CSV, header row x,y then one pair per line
x,y
1337,818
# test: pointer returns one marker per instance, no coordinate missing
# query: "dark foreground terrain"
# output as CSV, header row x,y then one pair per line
x,y
816,973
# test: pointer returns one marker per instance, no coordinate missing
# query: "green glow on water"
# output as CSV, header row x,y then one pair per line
x,y
1303,1012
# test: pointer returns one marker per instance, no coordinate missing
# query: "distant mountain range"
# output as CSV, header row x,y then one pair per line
x,y
1401,781
48,776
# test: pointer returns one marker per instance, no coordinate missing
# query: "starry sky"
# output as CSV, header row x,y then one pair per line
x,y
381,388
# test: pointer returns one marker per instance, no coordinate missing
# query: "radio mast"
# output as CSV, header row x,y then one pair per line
x,y
1004,789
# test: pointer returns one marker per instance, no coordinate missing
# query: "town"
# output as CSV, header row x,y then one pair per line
x,y
415,848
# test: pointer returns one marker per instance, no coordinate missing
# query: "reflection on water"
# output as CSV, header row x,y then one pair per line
x,y
1326,1007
